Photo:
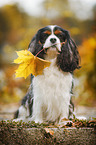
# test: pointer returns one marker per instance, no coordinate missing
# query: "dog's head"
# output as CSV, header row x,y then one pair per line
x,y
53,41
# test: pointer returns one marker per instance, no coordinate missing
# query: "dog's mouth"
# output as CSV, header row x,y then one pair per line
x,y
53,47
51,52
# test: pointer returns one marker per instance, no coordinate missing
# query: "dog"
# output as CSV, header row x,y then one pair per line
x,y
49,98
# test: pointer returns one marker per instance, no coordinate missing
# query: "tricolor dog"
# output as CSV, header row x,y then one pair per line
x,y
49,96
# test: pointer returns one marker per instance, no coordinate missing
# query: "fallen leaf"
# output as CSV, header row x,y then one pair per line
x,y
29,64
51,132
64,119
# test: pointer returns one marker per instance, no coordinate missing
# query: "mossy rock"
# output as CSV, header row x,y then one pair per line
x,y
22,133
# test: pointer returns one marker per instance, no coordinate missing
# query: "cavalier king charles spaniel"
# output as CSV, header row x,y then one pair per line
x,y
50,95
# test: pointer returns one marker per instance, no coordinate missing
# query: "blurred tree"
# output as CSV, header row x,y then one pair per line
x,y
12,24
94,12
3,28
87,74
17,30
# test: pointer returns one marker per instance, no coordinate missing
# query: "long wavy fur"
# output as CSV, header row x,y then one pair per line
x,y
68,59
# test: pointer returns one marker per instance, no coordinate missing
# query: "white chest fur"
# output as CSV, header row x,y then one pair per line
x,y
51,94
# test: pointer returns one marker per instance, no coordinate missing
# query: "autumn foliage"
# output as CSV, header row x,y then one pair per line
x,y
16,31
29,64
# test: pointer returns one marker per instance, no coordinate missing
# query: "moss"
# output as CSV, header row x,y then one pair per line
x,y
31,124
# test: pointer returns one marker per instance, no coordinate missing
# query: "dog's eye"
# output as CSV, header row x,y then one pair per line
x,y
45,34
43,37
61,36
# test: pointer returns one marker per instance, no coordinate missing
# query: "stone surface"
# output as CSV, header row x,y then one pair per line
x,y
39,136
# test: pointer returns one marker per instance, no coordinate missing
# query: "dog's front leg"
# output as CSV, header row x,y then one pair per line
x,y
37,111
64,111
64,117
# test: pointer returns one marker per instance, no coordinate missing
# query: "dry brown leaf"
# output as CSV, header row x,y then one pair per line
x,y
49,131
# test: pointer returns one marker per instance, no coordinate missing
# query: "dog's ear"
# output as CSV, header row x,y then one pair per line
x,y
32,45
35,45
69,58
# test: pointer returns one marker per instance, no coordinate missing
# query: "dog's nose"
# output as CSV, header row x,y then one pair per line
x,y
53,40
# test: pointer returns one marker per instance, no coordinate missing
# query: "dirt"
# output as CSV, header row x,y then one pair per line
x,y
39,136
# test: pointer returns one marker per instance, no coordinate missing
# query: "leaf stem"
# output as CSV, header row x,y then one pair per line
x,y
39,52
48,47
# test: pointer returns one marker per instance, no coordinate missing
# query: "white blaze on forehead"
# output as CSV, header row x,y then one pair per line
x,y
48,42
52,28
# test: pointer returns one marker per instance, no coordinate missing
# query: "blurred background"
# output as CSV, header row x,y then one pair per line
x,y
20,20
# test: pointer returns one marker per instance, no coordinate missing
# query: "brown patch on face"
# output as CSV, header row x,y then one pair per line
x,y
39,42
47,32
57,32
63,42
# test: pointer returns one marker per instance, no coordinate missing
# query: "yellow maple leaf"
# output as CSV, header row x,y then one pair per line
x,y
28,63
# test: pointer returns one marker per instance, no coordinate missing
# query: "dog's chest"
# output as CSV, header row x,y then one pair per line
x,y
52,92
53,84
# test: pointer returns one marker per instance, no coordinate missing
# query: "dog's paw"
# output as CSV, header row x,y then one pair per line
x,y
17,119
81,117
38,121
64,122
23,119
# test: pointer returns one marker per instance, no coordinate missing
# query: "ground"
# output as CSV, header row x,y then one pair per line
x,y
76,132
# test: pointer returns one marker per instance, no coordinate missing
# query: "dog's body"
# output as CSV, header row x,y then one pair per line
x,y
49,97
